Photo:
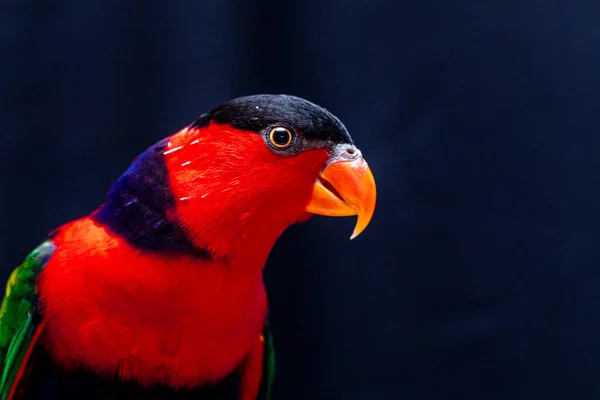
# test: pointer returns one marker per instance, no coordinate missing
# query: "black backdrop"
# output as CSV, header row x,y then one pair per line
x,y
479,277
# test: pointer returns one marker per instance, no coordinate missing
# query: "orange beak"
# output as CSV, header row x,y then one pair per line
x,y
345,188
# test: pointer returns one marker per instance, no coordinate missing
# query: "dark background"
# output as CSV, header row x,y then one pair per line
x,y
479,277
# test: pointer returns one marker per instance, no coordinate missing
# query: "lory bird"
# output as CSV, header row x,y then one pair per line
x,y
158,293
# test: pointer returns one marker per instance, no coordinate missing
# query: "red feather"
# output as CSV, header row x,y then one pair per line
x,y
235,195
149,318
179,320
253,369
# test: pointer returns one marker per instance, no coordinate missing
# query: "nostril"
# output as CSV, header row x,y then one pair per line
x,y
345,151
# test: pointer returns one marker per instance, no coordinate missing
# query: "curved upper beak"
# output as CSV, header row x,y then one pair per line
x,y
345,188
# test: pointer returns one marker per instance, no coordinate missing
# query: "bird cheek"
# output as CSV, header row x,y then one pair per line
x,y
291,180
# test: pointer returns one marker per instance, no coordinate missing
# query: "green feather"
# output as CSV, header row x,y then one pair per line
x,y
266,384
270,354
16,314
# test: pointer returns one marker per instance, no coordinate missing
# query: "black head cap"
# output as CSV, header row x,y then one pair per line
x,y
258,112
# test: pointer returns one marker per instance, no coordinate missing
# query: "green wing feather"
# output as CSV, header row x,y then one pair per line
x,y
266,384
17,325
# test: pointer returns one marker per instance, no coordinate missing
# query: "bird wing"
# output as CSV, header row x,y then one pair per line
x,y
20,325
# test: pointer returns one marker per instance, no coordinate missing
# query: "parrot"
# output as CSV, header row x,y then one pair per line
x,y
158,293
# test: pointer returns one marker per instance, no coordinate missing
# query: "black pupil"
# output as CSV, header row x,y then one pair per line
x,y
281,137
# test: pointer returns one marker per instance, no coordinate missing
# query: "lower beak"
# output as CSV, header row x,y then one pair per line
x,y
345,188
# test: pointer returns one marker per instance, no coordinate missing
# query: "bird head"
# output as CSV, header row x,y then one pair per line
x,y
240,174
250,167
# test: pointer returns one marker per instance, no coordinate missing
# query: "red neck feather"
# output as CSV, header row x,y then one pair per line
x,y
233,194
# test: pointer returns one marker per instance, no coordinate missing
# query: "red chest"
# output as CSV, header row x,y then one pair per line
x,y
150,319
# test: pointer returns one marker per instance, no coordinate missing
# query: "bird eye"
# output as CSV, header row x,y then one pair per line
x,y
280,137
